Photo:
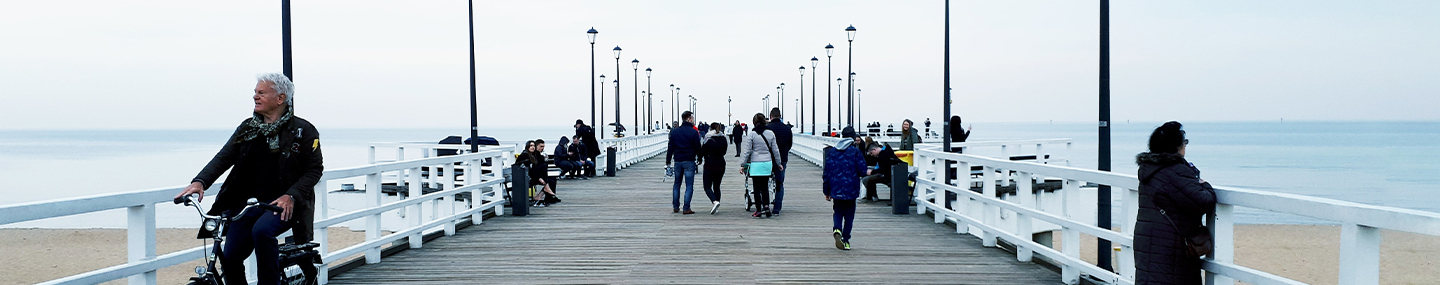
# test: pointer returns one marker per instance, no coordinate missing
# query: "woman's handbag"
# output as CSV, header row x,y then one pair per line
x,y
1196,245
763,169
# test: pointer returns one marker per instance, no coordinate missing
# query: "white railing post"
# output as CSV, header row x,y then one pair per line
x,y
413,181
140,240
1222,228
1131,206
477,195
991,213
1070,238
962,181
1359,254
322,234
1023,252
448,201
372,222
371,160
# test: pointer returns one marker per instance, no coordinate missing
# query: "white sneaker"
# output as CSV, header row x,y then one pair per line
x,y
715,207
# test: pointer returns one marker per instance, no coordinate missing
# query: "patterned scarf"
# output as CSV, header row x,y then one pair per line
x,y
257,127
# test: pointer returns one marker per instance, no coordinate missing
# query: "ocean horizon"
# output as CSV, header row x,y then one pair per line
x,y
1379,163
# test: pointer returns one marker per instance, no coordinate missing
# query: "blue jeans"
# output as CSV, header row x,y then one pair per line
x,y
687,169
844,217
255,231
779,188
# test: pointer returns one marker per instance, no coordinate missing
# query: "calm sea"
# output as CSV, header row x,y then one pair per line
x,y
1383,163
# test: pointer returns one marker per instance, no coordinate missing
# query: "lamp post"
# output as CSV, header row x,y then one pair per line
x,y
663,106
673,104
829,71
591,34
766,102
635,64
649,104
617,88
474,109
838,82
677,111
780,97
693,113
800,107
854,107
814,62
850,67
1103,193
728,113
858,111
600,125
647,120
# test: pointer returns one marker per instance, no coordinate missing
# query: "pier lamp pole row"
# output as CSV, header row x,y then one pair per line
x,y
649,104
617,89
800,107
590,34
829,72
850,68
635,63
814,62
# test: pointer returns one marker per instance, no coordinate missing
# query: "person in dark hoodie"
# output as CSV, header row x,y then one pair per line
x,y
1173,198
737,133
276,159
564,159
592,147
582,163
844,164
684,143
712,155
783,139
884,159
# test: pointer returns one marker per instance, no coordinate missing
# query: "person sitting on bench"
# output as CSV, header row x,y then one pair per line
x,y
885,160
564,159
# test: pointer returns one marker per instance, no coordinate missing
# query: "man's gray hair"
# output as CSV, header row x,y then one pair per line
x,y
281,84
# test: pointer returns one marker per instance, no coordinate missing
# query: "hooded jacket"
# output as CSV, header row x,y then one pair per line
x,y
712,151
562,150
587,137
909,139
298,162
1169,183
844,164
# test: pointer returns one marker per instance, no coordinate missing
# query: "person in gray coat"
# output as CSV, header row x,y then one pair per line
x,y
1172,200
759,150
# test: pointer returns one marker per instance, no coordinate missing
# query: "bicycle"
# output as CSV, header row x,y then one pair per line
x,y
292,255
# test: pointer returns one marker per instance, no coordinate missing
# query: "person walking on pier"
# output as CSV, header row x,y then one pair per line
x,y
276,159
684,144
783,139
1169,238
843,166
712,155
737,133
760,157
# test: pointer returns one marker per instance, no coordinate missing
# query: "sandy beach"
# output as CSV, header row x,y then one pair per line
x,y
1301,252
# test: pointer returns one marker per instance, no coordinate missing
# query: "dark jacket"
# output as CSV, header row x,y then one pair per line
x,y
684,142
1170,183
298,162
957,132
578,150
562,150
712,152
736,133
844,164
886,161
587,136
783,139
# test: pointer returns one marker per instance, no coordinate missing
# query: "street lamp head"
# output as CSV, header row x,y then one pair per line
x,y
602,78
592,33
647,74
616,81
617,52
782,84
814,61
829,50
802,70
635,63
672,85
850,32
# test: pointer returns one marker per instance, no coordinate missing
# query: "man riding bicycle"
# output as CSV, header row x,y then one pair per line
x,y
276,159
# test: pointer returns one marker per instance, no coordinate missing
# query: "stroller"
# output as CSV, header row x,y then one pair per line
x,y
750,204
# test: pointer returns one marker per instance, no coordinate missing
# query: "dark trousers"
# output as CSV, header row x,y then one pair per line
x,y
844,217
779,176
761,186
567,167
590,171
737,146
714,172
255,231
870,181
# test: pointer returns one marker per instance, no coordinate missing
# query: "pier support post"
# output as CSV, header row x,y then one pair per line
x,y
1359,255
140,239
519,190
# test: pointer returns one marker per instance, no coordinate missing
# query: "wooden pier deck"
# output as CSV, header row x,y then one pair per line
x,y
621,230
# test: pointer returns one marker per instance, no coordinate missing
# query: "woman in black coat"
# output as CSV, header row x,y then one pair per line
x,y
1172,200
712,154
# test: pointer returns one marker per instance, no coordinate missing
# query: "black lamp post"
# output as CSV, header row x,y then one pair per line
x,y
635,64
800,107
766,101
693,112
600,125
649,104
646,125
663,106
814,62
780,98
1103,193
617,89
729,116
838,82
674,105
676,116
829,71
850,67
591,34
474,110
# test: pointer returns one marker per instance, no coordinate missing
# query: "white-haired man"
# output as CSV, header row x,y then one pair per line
x,y
276,159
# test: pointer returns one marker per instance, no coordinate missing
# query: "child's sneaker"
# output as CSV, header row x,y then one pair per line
x,y
838,243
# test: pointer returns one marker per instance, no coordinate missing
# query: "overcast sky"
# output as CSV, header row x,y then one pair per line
x,y
401,64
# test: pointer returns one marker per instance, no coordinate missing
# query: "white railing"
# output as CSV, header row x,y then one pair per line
x,y
631,150
486,192
981,213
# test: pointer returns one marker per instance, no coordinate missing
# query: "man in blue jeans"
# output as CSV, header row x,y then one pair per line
x,y
783,139
684,143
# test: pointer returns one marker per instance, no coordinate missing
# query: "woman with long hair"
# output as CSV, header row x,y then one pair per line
x,y
758,154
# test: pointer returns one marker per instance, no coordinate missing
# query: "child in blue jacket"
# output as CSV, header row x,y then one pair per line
x,y
844,165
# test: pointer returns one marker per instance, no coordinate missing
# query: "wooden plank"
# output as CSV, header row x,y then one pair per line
x,y
621,230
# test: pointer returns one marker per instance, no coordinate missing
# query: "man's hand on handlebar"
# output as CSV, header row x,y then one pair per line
x,y
286,204
194,188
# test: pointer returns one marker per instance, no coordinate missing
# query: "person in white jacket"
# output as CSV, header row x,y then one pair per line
x,y
759,154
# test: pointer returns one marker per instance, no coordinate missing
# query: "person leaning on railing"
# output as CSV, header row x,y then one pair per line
x,y
276,159
1169,238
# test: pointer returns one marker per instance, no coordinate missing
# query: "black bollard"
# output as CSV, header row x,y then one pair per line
x,y
900,189
610,161
519,190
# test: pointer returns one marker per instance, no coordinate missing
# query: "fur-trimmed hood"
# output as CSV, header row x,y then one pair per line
x,y
1151,163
